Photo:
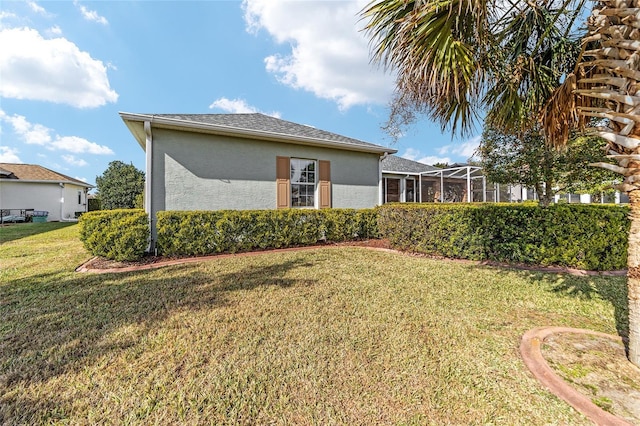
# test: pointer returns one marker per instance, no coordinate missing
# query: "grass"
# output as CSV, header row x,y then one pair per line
x,y
326,336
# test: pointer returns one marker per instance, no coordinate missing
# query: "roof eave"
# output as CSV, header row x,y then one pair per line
x,y
393,172
47,181
177,124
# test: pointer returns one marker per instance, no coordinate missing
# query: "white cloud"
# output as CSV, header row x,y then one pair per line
x,y
37,134
329,54
465,149
238,106
411,154
6,15
91,15
74,161
79,145
432,159
9,155
416,155
53,70
36,8
55,30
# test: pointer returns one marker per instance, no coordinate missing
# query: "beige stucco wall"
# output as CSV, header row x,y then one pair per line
x,y
198,171
43,196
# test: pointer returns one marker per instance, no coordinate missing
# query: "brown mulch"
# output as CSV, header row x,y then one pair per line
x,y
99,263
150,261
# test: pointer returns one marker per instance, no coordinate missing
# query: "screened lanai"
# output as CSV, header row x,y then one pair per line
x,y
405,180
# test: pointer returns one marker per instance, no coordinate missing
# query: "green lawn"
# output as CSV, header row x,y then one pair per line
x,y
326,336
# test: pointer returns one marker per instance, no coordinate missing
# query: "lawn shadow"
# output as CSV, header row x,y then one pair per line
x,y
58,323
607,288
16,231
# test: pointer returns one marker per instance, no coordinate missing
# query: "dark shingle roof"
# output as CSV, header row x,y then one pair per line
x,y
393,163
33,172
264,123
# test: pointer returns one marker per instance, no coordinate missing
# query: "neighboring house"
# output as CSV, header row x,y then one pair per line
x,y
252,161
25,188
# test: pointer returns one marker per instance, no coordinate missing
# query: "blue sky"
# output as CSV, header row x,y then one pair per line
x,y
68,67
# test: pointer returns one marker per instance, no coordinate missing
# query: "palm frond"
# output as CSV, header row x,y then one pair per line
x,y
431,46
560,114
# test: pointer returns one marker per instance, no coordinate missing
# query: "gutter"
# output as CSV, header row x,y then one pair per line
x,y
407,174
381,192
46,181
148,179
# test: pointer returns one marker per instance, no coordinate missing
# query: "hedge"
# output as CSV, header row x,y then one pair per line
x,y
115,234
592,237
208,232
583,236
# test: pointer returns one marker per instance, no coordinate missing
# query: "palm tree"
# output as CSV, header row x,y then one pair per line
x,y
521,62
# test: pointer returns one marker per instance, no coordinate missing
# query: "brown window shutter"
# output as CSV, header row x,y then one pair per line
x,y
324,179
283,199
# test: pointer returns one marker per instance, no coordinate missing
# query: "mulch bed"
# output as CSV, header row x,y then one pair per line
x,y
102,263
384,244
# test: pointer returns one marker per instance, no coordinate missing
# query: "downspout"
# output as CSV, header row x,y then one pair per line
x,y
61,201
62,218
404,193
380,188
469,193
148,178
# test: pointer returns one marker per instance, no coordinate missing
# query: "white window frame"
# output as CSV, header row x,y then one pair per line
x,y
314,184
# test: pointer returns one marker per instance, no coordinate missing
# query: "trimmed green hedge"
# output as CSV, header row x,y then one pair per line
x,y
115,234
592,237
208,232
583,236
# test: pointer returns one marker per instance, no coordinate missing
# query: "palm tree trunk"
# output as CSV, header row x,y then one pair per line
x,y
608,89
633,278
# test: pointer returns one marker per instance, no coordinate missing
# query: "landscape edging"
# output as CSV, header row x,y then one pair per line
x,y
530,349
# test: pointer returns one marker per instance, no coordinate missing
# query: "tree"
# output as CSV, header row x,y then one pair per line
x,y
519,62
459,59
527,160
605,87
119,186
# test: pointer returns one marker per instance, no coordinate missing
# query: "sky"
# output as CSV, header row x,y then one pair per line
x,y
68,67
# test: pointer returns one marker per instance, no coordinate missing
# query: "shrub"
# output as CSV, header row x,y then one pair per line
x,y
94,204
208,232
115,234
582,236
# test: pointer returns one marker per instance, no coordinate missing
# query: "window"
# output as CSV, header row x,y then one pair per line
x,y
303,182
79,197
410,194
296,181
391,188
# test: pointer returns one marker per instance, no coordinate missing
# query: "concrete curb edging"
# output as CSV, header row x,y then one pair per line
x,y
530,349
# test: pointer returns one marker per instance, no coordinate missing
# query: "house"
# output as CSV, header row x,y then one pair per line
x,y
29,188
252,161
